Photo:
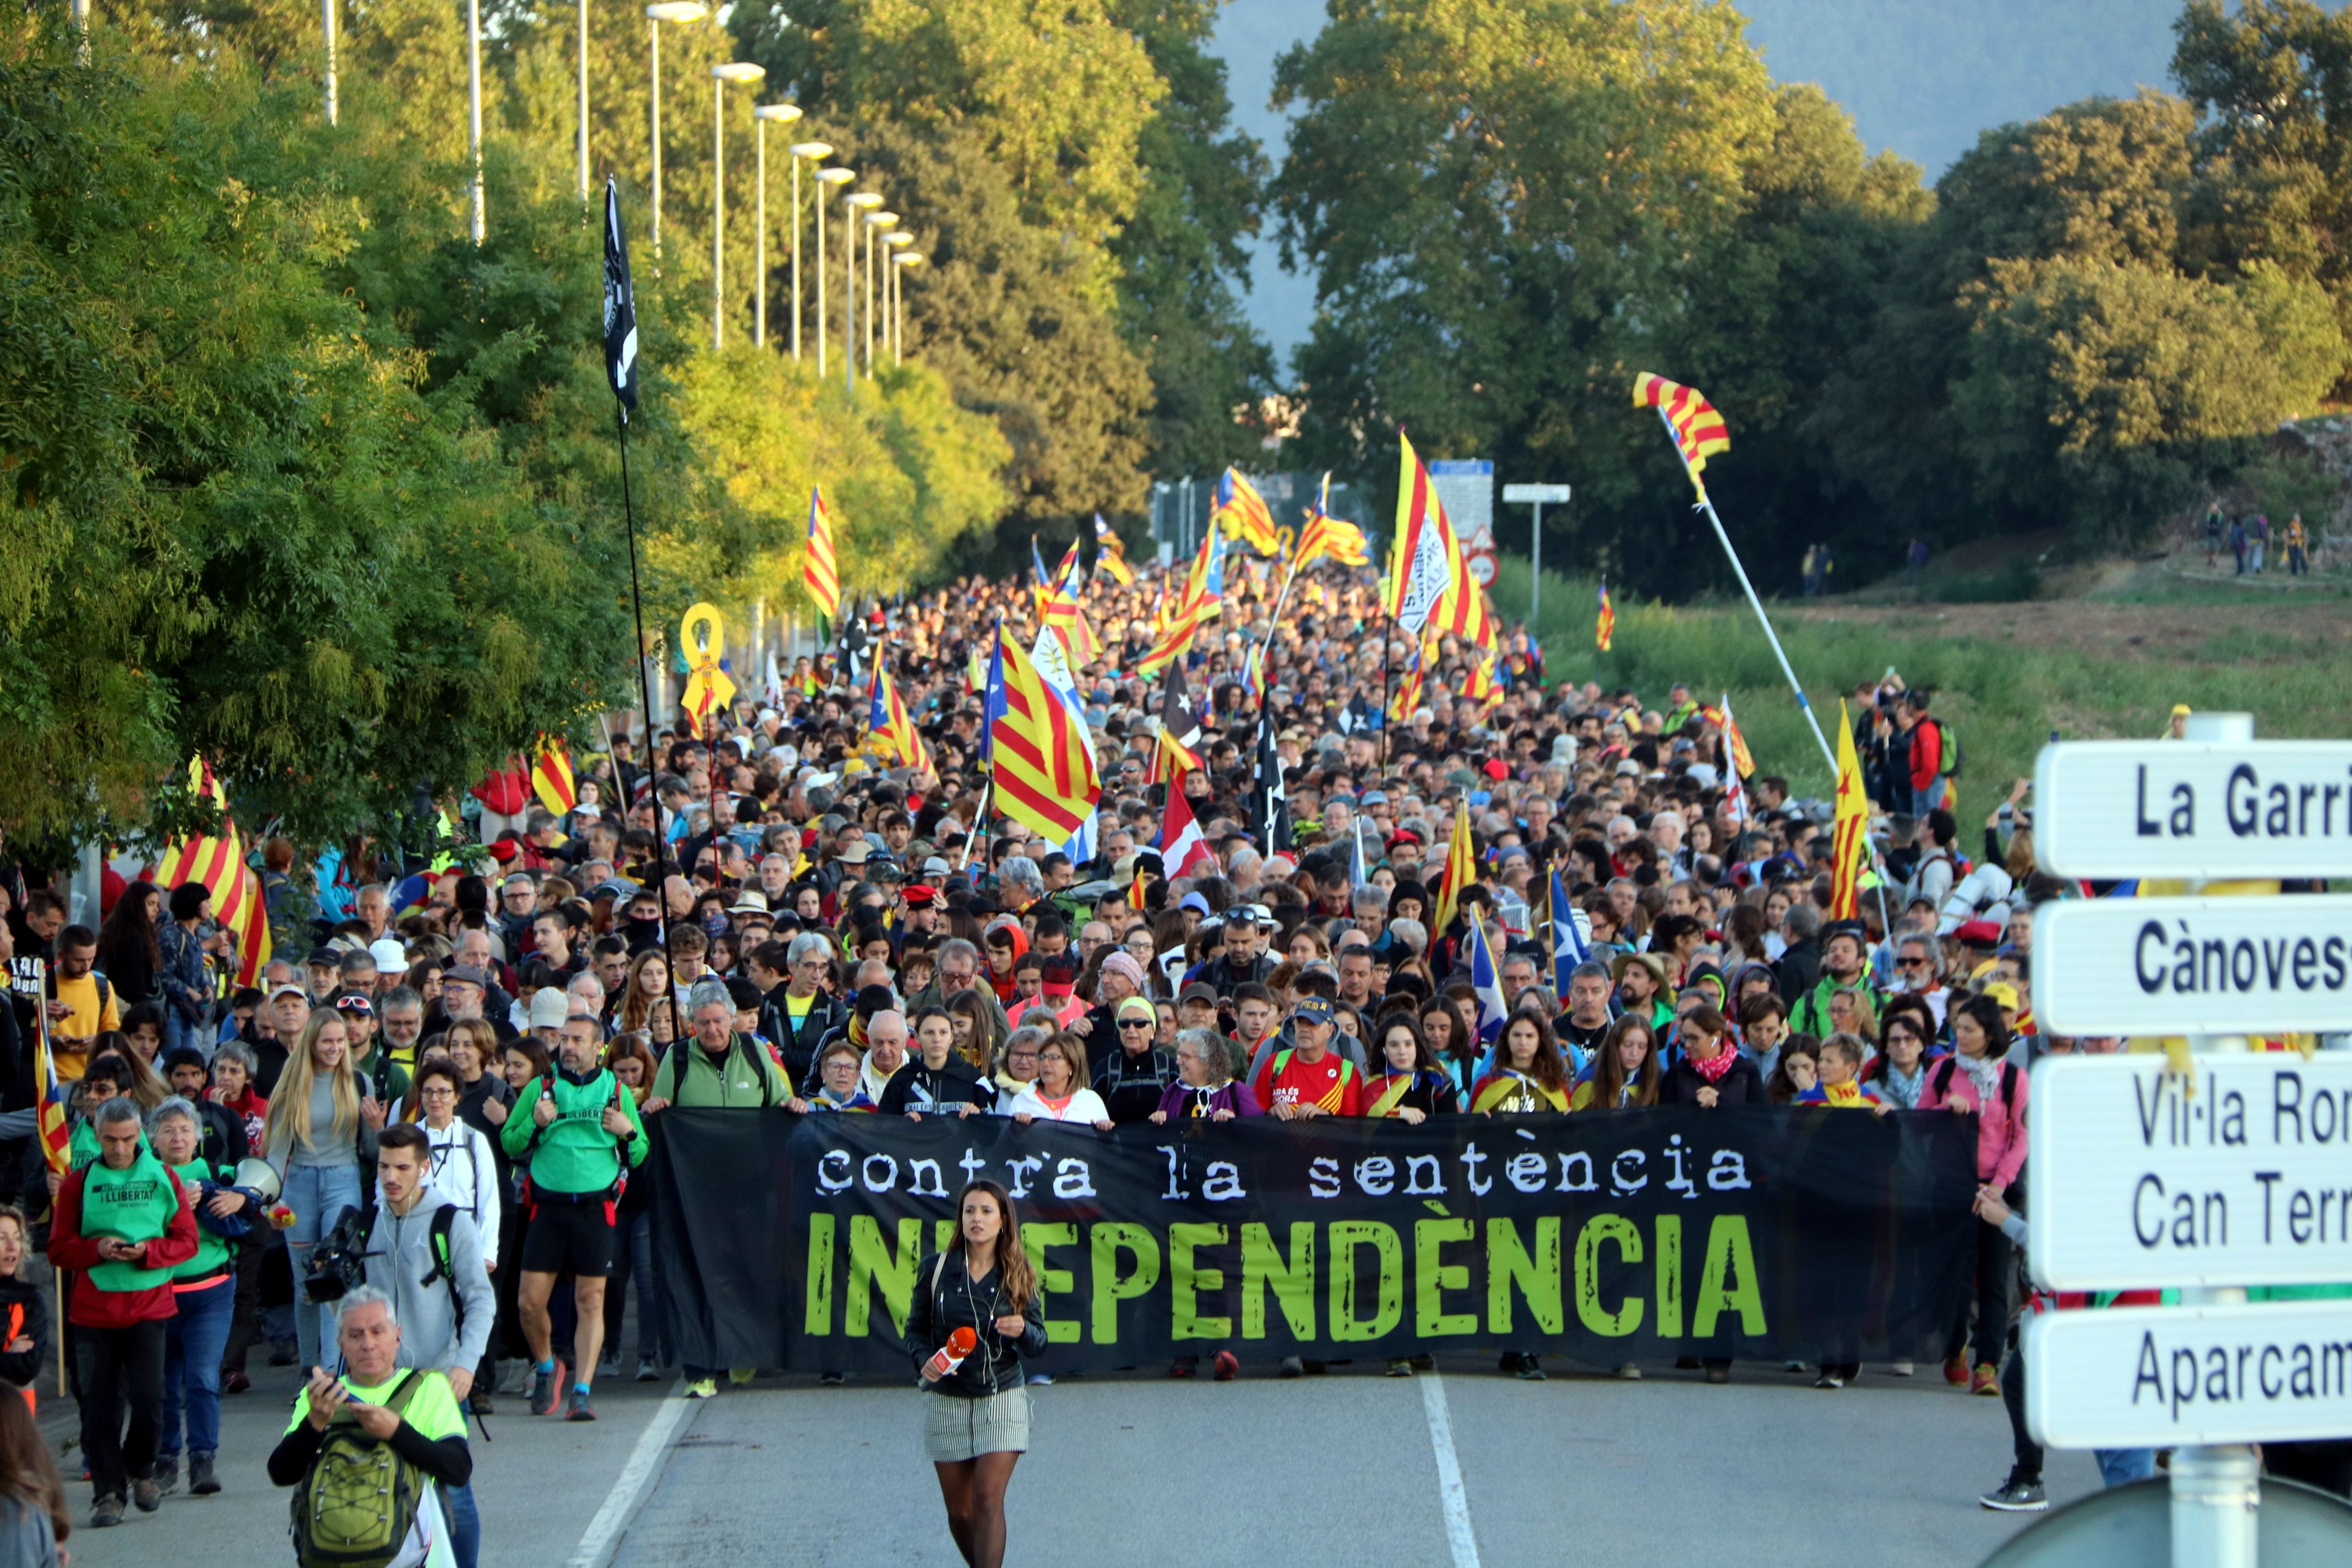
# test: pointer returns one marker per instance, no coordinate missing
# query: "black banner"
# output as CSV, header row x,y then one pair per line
x,y
793,1243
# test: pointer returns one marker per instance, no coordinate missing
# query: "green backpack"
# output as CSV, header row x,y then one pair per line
x,y
360,1500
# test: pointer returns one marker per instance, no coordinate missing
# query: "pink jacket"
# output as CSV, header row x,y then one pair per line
x,y
2000,1126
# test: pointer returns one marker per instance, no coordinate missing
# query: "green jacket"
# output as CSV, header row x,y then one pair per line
x,y
1811,1016
572,1153
734,1079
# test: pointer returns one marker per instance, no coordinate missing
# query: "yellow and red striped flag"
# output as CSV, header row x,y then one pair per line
x,y
1461,869
819,572
886,717
1852,822
1408,692
551,776
1325,535
57,1137
1171,641
1110,554
1059,610
218,862
1045,776
1699,431
1604,626
1430,587
1244,513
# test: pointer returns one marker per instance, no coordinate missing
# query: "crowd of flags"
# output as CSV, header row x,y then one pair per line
x,y
1040,759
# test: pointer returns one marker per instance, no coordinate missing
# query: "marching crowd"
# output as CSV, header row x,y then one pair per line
x,y
405,1161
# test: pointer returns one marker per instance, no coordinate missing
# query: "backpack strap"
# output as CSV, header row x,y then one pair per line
x,y
2009,1086
444,1220
1940,1080
397,1401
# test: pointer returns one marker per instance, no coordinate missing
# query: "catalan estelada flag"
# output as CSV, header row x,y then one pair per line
x,y
819,572
1110,555
1173,638
1244,513
1699,431
1852,822
1045,778
886,717
551,776
218,861
1604,626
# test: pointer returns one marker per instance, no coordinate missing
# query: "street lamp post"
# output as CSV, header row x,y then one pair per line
x,y
746,72
783,114
835,176
474,109
811,150
876,223
583,102
858,203
902,260
665,11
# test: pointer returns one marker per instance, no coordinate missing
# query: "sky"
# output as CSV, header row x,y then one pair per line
x,y
1920,76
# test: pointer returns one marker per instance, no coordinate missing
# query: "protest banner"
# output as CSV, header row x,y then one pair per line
x,y
795,1242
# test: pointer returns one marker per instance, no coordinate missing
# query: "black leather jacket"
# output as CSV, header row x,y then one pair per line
x,y
946,1299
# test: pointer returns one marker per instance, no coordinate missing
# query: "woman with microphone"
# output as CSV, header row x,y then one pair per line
x,y
974,1317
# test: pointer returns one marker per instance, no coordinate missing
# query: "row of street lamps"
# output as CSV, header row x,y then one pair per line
x,y
863,208
864,214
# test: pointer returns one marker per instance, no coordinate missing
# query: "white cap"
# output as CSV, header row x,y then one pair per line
x,y
391,958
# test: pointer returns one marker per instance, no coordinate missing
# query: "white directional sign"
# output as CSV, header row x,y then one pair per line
x,y
2161,1377
2194,966
2194,808
2134,1181
1552,494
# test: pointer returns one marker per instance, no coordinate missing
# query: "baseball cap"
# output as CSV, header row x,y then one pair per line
x,y
1199,991
549,1006
286,988
324,957
1978,934
354,1001
1312,1010
467,974
388,953
2002,993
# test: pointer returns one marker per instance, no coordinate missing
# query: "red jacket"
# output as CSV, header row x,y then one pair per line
x,y
69,1248
1927,753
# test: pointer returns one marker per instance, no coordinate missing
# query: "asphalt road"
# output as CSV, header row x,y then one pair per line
x,y
1341,1470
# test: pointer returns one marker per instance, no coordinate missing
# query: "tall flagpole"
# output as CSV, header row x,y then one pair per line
x,y
1707,505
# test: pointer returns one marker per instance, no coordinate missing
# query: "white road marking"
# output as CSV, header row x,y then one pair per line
x,y
1451,1494
595,1548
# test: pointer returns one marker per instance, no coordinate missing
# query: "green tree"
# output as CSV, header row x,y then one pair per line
x,y
239,524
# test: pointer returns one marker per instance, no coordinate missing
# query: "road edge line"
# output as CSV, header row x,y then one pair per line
x,y
604,1533
1453,1497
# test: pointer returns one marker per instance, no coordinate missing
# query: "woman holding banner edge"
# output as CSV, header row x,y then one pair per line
x,y
976,1407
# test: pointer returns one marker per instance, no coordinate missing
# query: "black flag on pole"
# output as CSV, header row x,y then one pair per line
x,y
1269,797
620,305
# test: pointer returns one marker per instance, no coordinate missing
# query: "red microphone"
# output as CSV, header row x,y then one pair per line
x,y
949,1356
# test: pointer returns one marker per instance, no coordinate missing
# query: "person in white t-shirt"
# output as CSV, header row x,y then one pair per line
x,y
1059,1092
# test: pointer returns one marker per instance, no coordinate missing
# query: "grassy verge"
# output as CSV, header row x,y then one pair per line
x,y
2006,676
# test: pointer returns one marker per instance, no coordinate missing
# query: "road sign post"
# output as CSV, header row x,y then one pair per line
x,y
1536,496
2106,1136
